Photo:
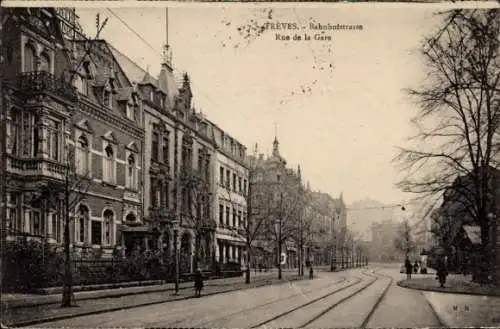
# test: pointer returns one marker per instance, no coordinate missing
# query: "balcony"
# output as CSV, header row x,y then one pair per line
x,y
162,214
44,82
36,167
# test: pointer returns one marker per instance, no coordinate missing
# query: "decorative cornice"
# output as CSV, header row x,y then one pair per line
x,y
120,123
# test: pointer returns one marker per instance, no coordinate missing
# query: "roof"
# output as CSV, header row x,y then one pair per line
x,y
133,71
473,233
166,80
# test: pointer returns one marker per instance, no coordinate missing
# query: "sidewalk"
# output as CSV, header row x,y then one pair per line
x,y
455,283
26,316
15,300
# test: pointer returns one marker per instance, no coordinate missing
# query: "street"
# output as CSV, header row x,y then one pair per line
x,y
363,297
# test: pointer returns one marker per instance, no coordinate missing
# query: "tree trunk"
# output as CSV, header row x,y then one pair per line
x,y
247,272
68,276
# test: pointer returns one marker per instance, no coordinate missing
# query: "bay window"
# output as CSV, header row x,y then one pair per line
x,y
53,139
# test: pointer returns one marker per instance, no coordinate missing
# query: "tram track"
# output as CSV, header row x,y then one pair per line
x,y
206,324
313,304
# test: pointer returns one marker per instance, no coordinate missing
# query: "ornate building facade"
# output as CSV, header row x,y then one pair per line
x,y
231,198
71,118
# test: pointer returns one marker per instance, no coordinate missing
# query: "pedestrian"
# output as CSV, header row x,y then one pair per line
x,y
198,283
409,268
311,273
442,271
415,267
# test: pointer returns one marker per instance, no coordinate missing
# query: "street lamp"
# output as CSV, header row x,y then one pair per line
x,y
176,224
333,264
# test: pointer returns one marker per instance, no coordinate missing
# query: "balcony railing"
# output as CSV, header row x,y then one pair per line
x,y
44,82
36,167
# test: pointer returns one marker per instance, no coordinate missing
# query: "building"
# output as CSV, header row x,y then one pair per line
x,y
231,176
179,168
277,201
69,117
382,247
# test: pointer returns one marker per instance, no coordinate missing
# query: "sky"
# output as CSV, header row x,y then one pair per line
x,y
337,106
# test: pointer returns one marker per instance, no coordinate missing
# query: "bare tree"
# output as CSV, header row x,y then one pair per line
x,y
459,115
198,195
282,210
76,184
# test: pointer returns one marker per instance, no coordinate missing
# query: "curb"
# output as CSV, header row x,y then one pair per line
x,y
442,322
118,295
436,289
69,316
160,288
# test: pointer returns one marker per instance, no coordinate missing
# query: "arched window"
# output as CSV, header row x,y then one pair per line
x,y
29,58
82,156
44,63
108,224
131,172
130,217
82,217
109,166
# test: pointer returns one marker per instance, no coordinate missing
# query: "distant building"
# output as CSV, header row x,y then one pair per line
x,y
383,238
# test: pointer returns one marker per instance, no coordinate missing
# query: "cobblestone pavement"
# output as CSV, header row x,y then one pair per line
x,y
48,312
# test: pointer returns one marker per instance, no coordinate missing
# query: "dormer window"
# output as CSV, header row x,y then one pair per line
x,y
151,96
129,109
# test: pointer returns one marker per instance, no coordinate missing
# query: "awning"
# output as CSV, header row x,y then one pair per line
x,y
473,232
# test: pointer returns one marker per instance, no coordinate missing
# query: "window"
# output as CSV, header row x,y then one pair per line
x,y
96,232
131,172
207,169
56,227
278,178
154,147
108,221
38,227
53,139
27,134
221,175
82,217
151,96
109,165
221,215
154,201
200,162
227,216
239,219
234,182
239,185
44,63
12,224
234,217
244,186
228,179
80,84
165,150
29,58
82,156
167,194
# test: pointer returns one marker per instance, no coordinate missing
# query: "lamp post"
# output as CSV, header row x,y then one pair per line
x,y
333,264
492,225
176,224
